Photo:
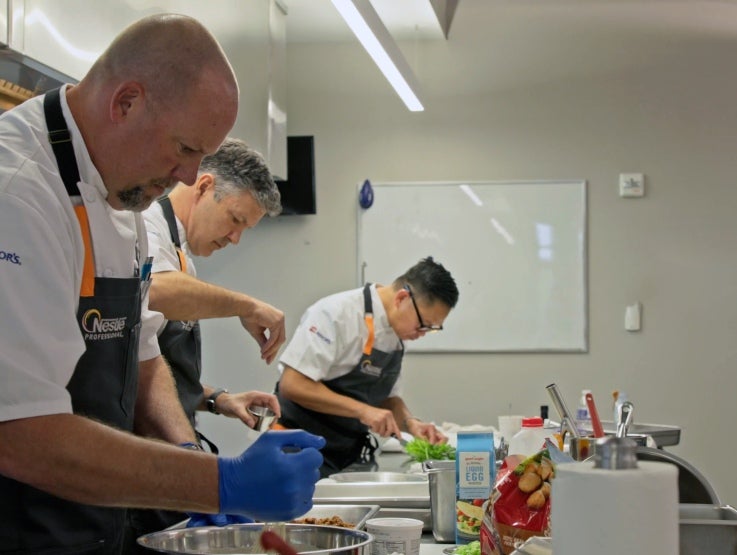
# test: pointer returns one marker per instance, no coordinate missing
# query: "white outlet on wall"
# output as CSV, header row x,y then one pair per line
x,y
631,184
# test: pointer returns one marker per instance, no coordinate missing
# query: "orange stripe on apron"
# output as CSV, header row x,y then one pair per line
x,y
182,260
88,273
368,347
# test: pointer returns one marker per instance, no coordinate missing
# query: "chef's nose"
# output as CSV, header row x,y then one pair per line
x,y
235,236
187,173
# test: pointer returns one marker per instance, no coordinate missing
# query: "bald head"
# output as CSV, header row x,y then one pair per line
x,y
169,53
161,97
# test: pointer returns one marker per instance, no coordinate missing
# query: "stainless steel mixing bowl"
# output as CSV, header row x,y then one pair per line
x,y
244,539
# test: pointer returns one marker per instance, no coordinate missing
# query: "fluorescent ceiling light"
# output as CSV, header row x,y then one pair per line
x,y
373,35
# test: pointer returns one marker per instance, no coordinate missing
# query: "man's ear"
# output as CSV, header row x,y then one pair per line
x,y
126,98
400,295
205,182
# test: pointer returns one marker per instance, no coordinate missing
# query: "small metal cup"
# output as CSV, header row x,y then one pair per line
x,y
264,417
582,448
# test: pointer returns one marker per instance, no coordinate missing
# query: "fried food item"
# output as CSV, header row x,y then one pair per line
x,y
536,500
545,488
334,520
529,482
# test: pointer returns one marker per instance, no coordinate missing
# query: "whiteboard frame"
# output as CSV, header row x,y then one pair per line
x,y
420,346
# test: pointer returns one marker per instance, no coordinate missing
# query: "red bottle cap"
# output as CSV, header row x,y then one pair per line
x,y
532,422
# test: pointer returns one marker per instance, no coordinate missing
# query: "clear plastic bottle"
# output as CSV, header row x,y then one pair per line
x,y
530,439
583,418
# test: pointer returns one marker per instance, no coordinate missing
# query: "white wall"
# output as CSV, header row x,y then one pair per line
x,y
675,250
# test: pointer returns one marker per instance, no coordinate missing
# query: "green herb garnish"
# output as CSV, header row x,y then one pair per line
x,y
422,450
472,548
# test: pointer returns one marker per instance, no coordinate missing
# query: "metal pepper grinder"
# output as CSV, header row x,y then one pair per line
x,y
615,453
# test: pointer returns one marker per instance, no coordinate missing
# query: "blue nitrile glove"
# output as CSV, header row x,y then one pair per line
x,y
266,482
220,519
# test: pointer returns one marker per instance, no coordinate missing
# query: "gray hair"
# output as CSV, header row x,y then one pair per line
x,y
238,168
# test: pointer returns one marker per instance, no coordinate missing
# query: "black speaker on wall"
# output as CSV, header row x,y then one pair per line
x,y
298,191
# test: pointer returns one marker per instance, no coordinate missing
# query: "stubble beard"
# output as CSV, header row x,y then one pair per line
x,y
137,199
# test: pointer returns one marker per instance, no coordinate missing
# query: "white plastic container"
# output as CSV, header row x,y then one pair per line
x,y
530,439
395,535
583,418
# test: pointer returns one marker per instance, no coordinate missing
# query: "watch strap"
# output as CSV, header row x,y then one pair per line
x,y
211,400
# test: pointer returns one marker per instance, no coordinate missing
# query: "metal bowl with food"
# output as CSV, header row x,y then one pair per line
x,y
243,539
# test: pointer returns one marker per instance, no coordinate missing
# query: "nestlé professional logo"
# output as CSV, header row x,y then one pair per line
x,y
97,328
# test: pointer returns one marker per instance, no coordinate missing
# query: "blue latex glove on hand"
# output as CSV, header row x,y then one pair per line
x,y
220,519
269,484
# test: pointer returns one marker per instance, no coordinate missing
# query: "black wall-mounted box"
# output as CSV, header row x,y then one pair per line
x,y
298,191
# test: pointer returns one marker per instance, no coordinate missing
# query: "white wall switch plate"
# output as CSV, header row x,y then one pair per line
x,y
633,317
631,184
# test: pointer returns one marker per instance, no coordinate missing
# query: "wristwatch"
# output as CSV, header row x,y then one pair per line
x,y
211,400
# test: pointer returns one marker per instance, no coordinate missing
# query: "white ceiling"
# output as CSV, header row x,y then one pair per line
x,y
507,43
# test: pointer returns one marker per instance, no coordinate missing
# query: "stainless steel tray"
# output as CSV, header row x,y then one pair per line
x,y
664,435
386,477
707,529
357,514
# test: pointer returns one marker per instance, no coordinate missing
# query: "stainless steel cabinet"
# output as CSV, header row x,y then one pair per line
x,y
3,22
68,36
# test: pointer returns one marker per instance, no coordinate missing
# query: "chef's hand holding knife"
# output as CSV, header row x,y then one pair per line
x,y
380,421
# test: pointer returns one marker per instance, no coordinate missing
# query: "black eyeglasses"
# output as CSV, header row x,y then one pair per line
x,y
422,326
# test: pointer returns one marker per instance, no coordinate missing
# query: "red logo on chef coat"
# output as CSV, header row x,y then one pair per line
x,y
314,330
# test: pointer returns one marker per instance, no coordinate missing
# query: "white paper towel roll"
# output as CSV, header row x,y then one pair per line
x,y
610,512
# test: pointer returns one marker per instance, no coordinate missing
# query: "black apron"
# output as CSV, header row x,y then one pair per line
x,y
370,381
103,387
180,341
180,346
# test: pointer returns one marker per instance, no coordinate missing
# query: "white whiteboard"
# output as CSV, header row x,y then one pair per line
x,y
517,251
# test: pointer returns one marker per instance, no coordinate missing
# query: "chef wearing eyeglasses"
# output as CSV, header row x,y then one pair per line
x,y
340,373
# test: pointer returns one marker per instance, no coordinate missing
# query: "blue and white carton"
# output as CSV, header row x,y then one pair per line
x,y
475,474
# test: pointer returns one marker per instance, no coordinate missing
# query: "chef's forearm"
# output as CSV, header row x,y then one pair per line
x,y
179,296
317,396
401,412
84,461
159,412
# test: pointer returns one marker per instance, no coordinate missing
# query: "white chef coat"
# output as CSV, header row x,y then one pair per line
x,y
40,339
165,255
329,340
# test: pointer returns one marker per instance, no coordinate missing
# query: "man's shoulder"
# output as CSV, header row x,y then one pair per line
x,y
154,214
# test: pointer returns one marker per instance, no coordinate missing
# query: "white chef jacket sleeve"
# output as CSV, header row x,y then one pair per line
x,y
40,340
314,346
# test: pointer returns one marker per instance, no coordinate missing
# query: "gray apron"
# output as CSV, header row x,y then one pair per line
x,y
103,387
370,381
